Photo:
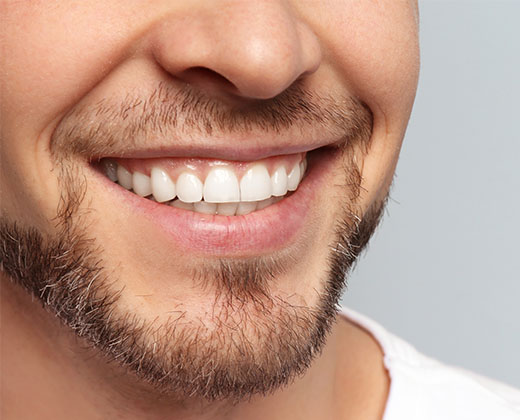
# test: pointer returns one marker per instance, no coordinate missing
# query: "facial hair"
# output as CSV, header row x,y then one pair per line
x,y
257,341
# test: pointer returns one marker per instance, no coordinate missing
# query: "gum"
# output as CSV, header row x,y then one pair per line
x,y
201,166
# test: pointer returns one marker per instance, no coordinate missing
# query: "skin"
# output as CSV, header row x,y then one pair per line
x,y
62,54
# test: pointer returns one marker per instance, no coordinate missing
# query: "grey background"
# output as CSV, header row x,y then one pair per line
x,y
443,271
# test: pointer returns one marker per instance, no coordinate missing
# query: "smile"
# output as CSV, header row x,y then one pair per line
x,y
219,207
209,186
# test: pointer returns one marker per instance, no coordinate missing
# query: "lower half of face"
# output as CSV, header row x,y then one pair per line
x,y
196,233
212,303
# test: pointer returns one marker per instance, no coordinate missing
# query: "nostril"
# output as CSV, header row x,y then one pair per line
x,y
207,79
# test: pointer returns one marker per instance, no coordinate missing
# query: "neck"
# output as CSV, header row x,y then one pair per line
x,y
48,372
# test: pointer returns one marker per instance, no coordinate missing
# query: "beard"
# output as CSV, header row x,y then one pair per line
x,y
254,340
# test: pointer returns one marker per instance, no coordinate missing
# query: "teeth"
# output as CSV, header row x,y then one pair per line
x,y
293,179
221,193
279,182
205,207
246,207
264,203
182,205
255,184
221,186
163,188
189,188
124,177
142,184
110,168
227,209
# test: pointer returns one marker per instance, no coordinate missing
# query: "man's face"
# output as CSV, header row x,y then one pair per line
x,y
184,270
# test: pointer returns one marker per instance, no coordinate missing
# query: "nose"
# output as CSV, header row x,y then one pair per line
x,y
251,49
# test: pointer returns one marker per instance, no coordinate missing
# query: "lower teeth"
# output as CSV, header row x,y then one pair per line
x,y
224,209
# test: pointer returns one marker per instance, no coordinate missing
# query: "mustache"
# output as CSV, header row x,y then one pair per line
x,y
180,114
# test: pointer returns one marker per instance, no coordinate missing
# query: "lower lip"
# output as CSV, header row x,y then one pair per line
x,y
260,232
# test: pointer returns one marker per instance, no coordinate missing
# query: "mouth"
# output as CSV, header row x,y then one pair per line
x,y
210,186
222,207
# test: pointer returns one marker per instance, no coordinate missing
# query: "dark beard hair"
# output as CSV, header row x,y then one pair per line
x,y
185,358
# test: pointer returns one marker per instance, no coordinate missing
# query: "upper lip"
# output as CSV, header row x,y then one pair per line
x,y
220,152
229,148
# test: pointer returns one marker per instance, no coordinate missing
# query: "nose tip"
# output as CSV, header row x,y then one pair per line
x,y
254,49
267,64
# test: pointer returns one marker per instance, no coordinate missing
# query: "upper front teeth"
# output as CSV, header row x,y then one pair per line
x,y
221,186
189,188
279,182
256,184
163,188
221,191
293,179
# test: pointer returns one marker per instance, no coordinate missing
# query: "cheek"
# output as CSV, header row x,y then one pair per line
x,y
374,50
57,52
28,183
374,46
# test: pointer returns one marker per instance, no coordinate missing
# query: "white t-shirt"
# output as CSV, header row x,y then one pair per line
x,y
425,389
